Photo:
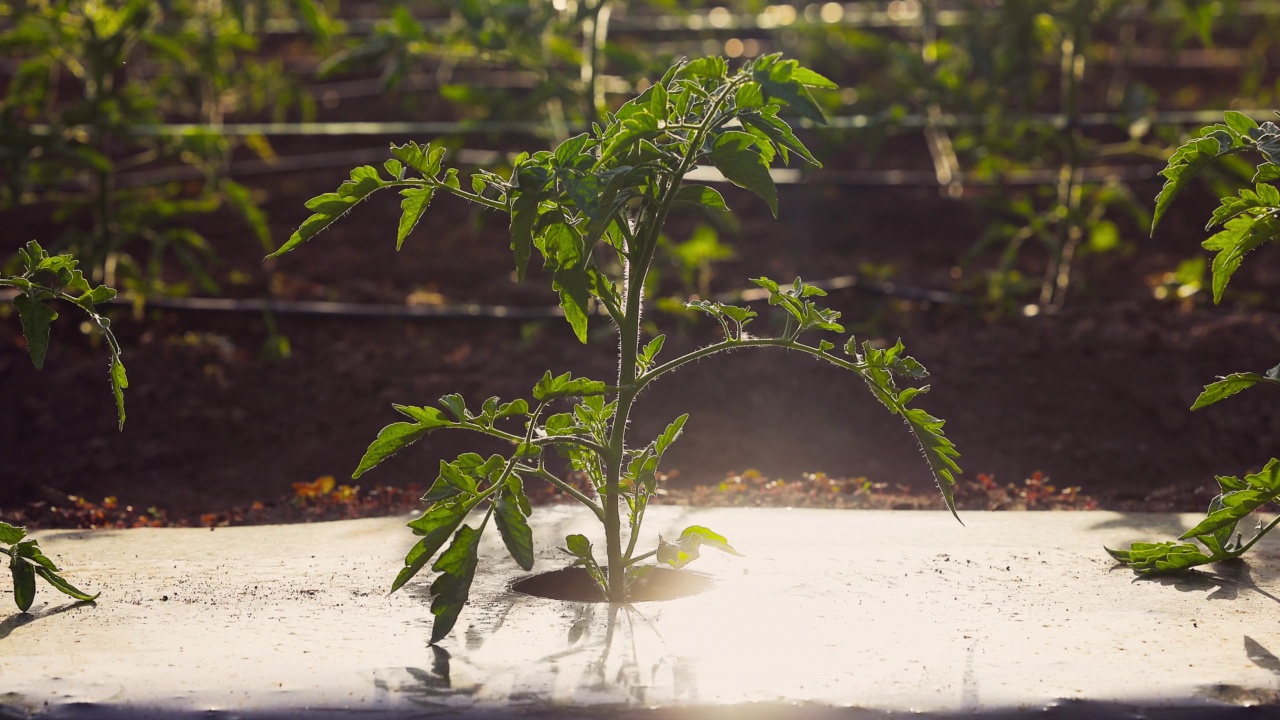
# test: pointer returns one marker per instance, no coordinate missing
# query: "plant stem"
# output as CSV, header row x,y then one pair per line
x,y
1258,537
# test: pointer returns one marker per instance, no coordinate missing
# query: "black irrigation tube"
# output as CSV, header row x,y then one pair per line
x,y
781,176
500,312
840,122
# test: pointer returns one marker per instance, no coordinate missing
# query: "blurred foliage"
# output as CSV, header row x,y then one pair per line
x,y
78,119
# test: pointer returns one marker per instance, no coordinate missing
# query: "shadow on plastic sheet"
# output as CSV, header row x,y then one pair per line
x,y
17,620
1223,582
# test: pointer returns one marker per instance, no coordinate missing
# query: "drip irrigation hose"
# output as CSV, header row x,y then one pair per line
x,y
500,312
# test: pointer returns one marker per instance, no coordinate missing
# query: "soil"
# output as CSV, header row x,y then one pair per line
x,y
1091,401
1095,396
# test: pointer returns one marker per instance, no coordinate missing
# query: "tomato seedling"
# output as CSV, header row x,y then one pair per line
x,y
594,209
1249,219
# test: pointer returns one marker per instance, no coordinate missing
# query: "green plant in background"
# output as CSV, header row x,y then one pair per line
x,y
1248,219
594,210
77,126
26,561
57,277
45,278
561,44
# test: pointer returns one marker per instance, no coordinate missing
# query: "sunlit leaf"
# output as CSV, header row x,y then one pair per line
x,y
450,590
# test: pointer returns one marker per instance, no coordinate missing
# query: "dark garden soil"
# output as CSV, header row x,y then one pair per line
x,y
1095,397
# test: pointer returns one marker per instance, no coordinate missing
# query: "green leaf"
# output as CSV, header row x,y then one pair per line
x,y
781,80
580,547
524,206
805,76
36,318
1263,197
712,68
749,97
779,133
454,403
513,526
1240,123
11,534
1268,172
1263,487
549,388
735,155
24,581
574,287
1229,385
119,381
1156,558
61,585
412,207
702,196
669,435
1183,165
435,526
709,538
1241,235
397,436
628,132
423,158
449,591
650,351
679,553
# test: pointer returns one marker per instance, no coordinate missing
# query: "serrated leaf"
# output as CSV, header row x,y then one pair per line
x,y
96,296
1228,385
1240,235
1155,558
669,435
36,318
574,287
650,351
454,403
511,409
713,68
119,381
1263,487
702,196
1266,173
736,157
777,78
628,132
513,526
11,534
425,159
1183,165
397,436
450,590
435,525
1240,123
549,387
749,97
412,207
524,208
